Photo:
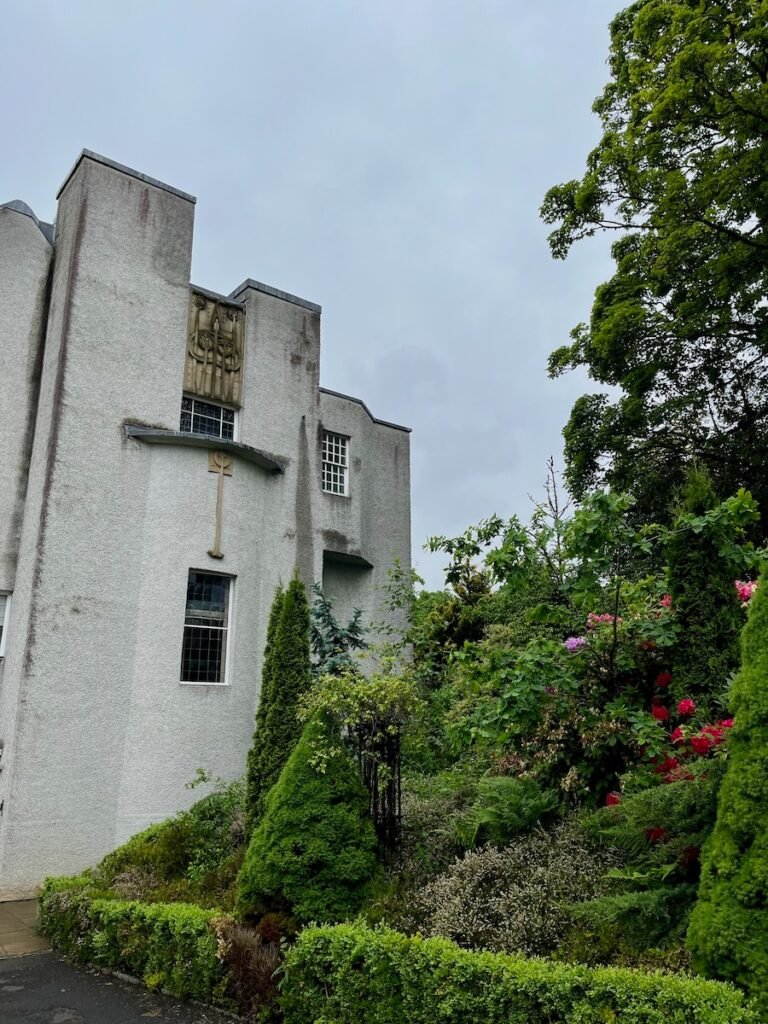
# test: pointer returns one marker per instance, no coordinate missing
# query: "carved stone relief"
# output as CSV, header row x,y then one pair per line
x,y
214,349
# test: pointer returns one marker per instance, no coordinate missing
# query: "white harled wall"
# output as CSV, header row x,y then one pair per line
x,y
98,735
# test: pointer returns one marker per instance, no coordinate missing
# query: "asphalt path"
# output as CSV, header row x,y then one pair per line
x,y
44,989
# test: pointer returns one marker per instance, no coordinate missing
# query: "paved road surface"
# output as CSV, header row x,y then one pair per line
x,y
44,989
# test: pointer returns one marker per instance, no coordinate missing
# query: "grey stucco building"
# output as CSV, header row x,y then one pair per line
x,y
167,456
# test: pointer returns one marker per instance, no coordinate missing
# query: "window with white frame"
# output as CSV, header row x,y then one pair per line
x,y
199,417
5,614
335,463
206,625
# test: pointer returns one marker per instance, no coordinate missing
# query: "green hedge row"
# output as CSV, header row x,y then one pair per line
x,y
167,945
349,973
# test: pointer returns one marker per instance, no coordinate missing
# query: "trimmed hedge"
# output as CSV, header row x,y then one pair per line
x,y
345,974
167,945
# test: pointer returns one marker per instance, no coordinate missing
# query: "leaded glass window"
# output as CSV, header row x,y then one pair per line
x,y
335,463
198,417
206,624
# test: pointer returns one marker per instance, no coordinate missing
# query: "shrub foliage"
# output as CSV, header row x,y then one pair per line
x,y
254,791
314,850
515,899
287,676
168,946
349,973
728,935
707,609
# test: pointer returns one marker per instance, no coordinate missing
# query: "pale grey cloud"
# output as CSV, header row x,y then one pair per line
x,y
387,161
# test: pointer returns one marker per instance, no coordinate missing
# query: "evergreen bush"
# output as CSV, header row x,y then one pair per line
x,y
253,785
191,857
728,934
168,946
704,599
349,973
313,851
658,832
517,899
332,644
288,676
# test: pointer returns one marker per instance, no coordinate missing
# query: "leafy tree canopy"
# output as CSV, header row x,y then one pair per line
x,y
682,326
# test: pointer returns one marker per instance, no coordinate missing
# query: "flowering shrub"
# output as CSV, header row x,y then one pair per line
x,y
514,899
574,643
745,590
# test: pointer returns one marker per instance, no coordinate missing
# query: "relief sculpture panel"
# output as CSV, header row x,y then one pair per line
x,y
214,349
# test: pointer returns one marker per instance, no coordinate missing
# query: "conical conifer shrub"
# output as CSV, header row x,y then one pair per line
x,y
313,852
253,786
728,933
288,677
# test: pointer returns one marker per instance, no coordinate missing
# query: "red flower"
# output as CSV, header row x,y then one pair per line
x,y
655,835
666,601
663,678
677,735
715,731
613,799
686,707
669,764
701,744
661,714
727,723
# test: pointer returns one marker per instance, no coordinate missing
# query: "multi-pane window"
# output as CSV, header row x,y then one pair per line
x,y
5,613
335,463
198,417
206,624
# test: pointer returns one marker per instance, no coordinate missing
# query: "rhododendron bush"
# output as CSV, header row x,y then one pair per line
x,y
579,711
609,693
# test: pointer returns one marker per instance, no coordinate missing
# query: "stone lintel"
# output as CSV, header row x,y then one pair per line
x,y
154,435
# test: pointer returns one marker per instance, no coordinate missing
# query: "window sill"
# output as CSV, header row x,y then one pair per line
x,y
219,686
154,435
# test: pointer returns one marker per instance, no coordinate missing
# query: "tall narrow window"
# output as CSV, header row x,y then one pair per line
x,y
335,463
198,417
206,624
5,614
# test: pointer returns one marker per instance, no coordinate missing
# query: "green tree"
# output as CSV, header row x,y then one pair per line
x,y
254,791
313,853
331,642
288,677
701,583
728,935
682,326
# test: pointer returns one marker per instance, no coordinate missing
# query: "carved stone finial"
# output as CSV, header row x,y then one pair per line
x,y
214,349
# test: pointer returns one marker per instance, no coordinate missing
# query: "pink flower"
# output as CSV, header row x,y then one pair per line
x,y
613,799
666,601
574,643
663,678
745,589
593,619
727,723
677,735
661,714
686,707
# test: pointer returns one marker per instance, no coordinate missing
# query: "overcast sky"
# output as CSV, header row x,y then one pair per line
x,y
385,160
